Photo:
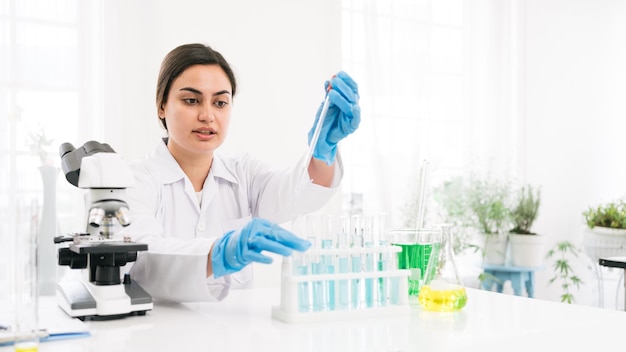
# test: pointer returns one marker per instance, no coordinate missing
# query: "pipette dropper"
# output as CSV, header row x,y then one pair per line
x,y
315,137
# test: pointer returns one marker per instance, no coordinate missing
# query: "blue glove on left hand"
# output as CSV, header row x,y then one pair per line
x,y
343,117
236,249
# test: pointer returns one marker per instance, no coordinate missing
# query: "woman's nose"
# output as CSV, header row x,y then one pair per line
x,y
206,114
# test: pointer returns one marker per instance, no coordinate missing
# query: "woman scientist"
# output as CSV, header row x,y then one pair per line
x,y
206,217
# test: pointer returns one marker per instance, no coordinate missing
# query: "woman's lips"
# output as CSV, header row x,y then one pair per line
x,y
204,134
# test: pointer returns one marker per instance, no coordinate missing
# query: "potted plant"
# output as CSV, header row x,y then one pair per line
x,y
526,247
451,196
481,205
489,202
605,233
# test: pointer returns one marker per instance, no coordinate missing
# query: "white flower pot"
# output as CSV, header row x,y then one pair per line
x,y
494,249
602,242
526,250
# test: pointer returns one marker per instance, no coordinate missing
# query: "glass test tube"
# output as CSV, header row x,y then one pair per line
x,y
318,285
394,282
379,235
383,266
26,284
368,238
301,268
328,263
357,259
342,258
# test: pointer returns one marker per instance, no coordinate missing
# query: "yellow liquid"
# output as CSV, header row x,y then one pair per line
x,y
443,300
26,347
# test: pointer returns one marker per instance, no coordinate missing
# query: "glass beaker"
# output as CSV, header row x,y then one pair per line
x,y
26,286
443,289
417,248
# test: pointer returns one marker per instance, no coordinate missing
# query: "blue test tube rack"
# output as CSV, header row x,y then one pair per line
x,y
297,306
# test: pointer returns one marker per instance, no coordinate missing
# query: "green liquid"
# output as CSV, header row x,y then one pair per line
x,y
415,256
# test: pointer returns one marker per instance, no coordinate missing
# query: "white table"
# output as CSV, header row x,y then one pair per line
x,y
242,322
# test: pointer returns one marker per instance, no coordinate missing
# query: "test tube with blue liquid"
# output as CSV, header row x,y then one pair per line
x,y
312,229
382,264
356,260
380,236
392,264
368,238
343,265
301,268
318,285
328,262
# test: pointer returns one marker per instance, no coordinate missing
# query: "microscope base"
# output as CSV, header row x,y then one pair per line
x,y
88,301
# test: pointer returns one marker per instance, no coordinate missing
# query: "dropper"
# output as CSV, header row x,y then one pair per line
x,y
315,137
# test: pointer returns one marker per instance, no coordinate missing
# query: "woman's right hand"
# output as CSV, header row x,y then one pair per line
x,y
236,249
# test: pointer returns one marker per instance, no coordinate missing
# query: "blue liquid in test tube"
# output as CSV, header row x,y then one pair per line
x,y
318,287
369,283
343,284
302,269
356,283
329,268
357,259
316,269
343,299
383,282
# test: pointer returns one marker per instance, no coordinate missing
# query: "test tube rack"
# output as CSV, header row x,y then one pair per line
x,y
330,295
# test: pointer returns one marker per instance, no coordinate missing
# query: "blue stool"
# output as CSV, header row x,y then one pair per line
x,y
518,275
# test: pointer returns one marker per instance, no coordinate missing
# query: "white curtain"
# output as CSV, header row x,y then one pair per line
x,y
49,93
439,81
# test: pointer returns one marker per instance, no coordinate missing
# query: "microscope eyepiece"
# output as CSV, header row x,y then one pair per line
x,y
65,148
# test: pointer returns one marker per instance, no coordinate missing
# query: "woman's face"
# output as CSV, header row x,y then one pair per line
x,y
198,110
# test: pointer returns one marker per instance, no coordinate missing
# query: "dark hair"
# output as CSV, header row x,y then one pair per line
x,y
179,59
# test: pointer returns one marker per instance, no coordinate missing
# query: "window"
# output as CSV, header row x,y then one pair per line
x,y
47,78
435,84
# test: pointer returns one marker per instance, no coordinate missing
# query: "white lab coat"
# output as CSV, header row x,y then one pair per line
x,y
165,214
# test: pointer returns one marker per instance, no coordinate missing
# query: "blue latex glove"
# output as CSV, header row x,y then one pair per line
x,y
343,117
236,249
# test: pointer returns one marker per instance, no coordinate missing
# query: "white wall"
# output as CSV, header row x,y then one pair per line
x,y
575,115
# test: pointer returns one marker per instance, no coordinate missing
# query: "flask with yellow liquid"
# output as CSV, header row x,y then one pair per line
x,y
443,290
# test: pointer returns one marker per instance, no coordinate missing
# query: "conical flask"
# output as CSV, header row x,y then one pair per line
x,y
443,290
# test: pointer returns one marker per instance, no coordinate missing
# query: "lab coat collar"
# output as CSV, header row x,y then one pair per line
x,y
173,172
219,169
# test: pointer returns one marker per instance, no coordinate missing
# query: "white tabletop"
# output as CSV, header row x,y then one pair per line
x,y
243,322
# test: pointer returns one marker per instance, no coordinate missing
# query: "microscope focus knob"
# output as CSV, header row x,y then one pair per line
x,y
65,256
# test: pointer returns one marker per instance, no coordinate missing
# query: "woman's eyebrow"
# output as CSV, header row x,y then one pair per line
x,y
193,90
222,92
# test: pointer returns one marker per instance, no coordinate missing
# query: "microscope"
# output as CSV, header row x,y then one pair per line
x,y
101,293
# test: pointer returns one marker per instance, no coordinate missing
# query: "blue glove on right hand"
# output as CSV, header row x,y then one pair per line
x,y
343,117
236,249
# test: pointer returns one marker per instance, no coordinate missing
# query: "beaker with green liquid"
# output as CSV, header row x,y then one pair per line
x,y
417,248
443,289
